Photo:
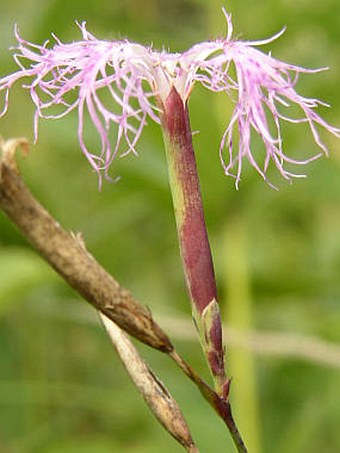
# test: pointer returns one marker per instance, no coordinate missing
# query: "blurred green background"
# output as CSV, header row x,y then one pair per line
x,y
277,254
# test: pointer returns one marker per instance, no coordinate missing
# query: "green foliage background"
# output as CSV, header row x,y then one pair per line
x,y
277,254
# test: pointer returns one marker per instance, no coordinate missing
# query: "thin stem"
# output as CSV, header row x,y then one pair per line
x,y
196,256
221,405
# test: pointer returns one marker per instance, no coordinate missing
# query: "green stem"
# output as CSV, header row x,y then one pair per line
x,y
241,363
196,254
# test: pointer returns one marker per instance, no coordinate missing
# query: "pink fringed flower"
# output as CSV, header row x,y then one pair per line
x,y
124,83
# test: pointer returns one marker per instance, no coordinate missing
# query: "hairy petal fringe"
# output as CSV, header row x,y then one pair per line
x,y
118,83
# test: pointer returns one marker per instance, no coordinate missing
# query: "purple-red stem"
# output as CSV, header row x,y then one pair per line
x,y
194,244
192,233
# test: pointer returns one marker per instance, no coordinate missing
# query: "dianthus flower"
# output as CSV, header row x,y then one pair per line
x,y
123,83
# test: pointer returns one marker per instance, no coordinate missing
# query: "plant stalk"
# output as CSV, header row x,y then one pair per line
x,y
192,234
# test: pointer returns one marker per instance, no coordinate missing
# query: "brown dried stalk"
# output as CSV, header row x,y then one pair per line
x,y
67,254
157,397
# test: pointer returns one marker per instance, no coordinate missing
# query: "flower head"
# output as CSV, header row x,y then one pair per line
x,y
123,83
